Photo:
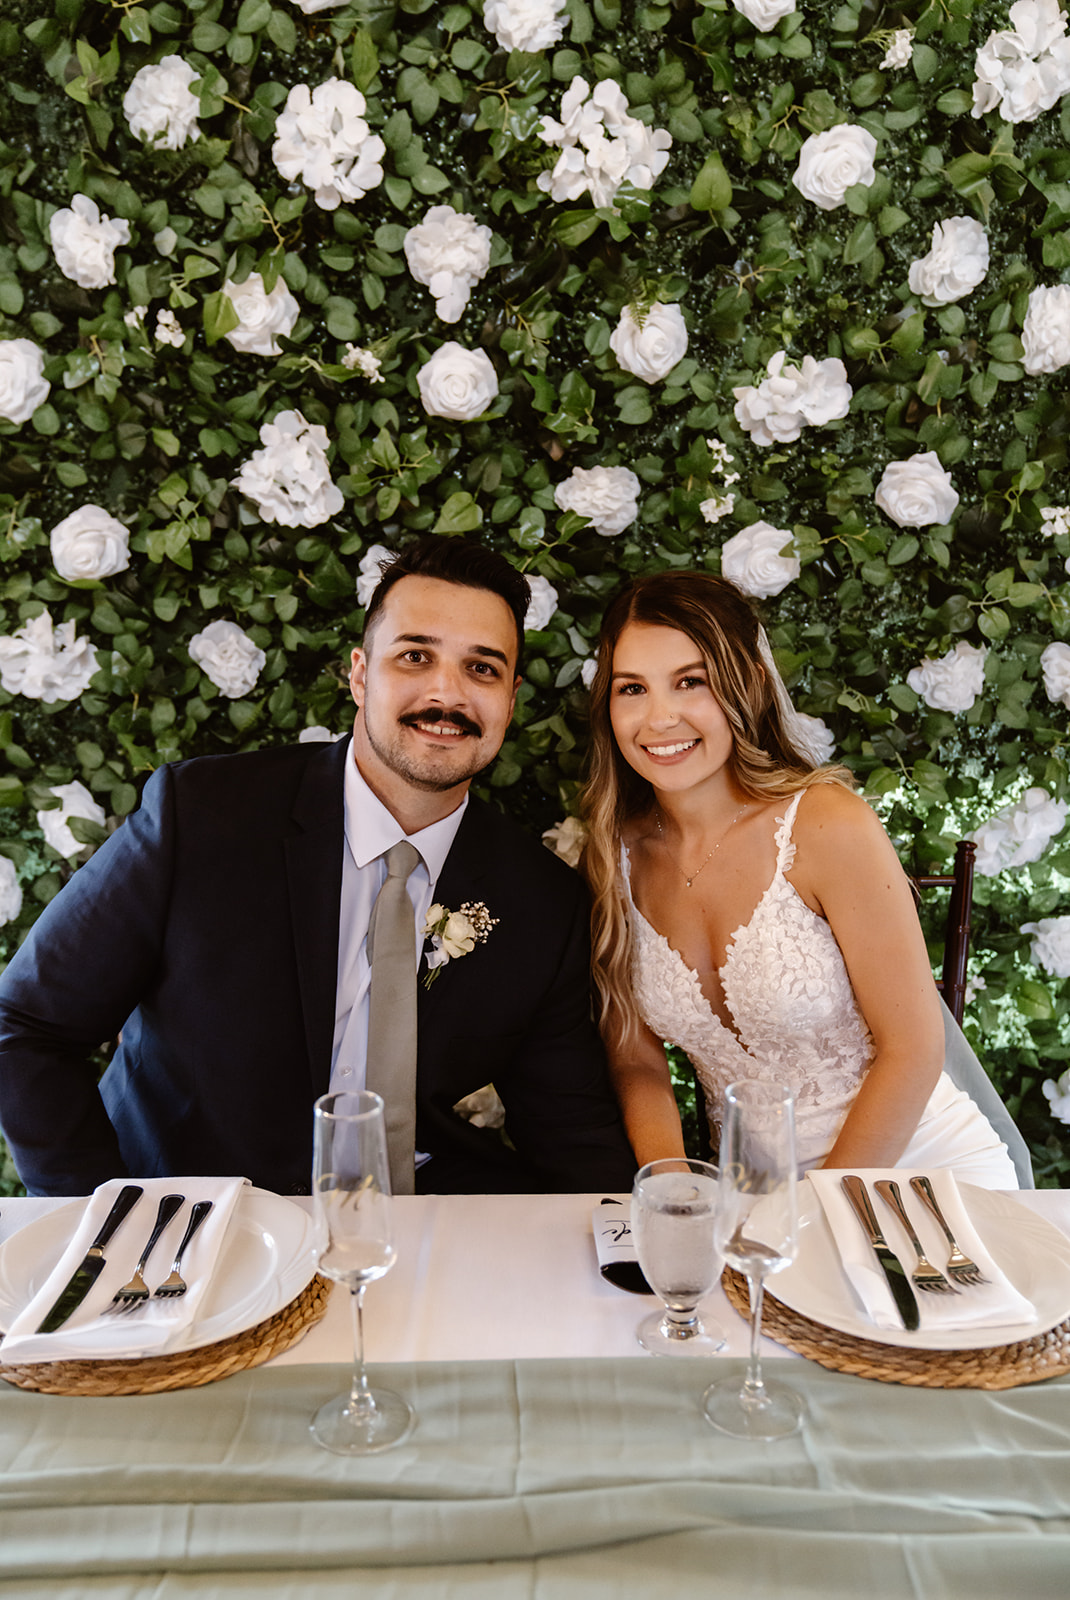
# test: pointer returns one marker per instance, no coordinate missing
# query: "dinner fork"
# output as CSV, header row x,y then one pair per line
x,y
136,1292
925,1276
175,1284
959,1265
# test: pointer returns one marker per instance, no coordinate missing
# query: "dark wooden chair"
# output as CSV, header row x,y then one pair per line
x,y
952,982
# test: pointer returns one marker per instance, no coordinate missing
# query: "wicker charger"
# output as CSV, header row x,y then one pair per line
x,y
1001,1366
184,1369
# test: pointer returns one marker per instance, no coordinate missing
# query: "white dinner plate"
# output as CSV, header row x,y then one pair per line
x,y
266,1259
1034,1255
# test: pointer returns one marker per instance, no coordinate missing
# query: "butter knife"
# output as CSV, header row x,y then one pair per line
x,y
86,1275
889,1262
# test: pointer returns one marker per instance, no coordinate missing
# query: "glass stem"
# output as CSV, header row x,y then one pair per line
x,y
753,1387
361,1402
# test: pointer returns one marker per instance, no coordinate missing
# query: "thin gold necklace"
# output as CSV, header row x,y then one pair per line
x,y
690,880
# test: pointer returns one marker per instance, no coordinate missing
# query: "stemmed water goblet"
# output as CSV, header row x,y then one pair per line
x,y
351,1192
673,1206
757,1232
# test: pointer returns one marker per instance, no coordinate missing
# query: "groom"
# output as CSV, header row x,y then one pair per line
x,y
222,932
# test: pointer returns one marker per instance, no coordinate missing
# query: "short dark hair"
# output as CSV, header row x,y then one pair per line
x,y
460,561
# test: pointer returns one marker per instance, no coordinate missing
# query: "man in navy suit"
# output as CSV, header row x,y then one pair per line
x,y
221,932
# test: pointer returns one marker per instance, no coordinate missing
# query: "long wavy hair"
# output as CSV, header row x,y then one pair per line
x,y
766,763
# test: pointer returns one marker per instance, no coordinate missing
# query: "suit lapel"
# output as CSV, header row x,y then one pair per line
x,y
314,871
463,877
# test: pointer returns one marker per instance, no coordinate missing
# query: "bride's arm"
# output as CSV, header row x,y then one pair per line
x,y
848,870
640,1074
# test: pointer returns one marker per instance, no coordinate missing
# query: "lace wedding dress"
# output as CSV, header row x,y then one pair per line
x,y
795,1020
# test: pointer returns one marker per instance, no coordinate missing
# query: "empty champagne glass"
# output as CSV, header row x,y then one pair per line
x,y
673,1206
351,1190
757,1232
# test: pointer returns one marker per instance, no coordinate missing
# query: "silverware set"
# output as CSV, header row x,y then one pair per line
x,y
134,1295
959,1271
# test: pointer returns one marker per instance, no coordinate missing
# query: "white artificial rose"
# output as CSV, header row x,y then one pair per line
x,y
371,570
1050,947
84,242
1055,665
227,656
1018,833
649,344
449,253
320,735
917,492
607,496
289,480
566,839
1046,332
752,560
262,317
1025,69
588,671
813,737
953,681
457,383
1057,1094
46,663
825,393
830,163
530,25
764,14
310,7
602,145
900,49
10,891
90,543
160,105
322,139
789,398
541,606
956,264
75,800
23,386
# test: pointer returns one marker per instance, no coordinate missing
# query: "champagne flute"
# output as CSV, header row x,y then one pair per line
x,y
673,1206
757,1232
351,1190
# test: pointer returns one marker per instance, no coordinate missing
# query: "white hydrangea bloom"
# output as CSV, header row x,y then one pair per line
x,y
607,496
456,383
789,398
357,359
84,242
10,891
46,663
371,570
917,492
160,105
289,480
602,145
830,163
75,800
1050,947
530,25
953,681
1046,331
449,253
263,317
752,560
23,386
89,544
764,14
956,264
322,139
1024,69
227,655
541,606
900,49
649,343
1018,833
1055,665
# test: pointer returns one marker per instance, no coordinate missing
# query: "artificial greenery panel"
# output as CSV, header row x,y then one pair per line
x,y
153,418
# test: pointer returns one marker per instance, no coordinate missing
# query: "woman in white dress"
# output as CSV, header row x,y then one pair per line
x,y
749,907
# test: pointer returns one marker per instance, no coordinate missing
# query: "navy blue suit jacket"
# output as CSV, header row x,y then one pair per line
x,y
206,932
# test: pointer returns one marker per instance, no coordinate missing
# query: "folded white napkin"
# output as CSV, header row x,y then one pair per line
x,y
158,1325
995,1304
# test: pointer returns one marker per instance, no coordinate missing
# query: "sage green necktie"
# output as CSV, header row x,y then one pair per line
x,y
391,1069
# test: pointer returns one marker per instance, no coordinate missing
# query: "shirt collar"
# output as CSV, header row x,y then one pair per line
x,y
371,829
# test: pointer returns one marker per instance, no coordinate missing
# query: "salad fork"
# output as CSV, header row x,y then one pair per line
x,y
925,1276
136,1292
175,1283
959,1265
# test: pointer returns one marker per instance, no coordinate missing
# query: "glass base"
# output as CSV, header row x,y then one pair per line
x,y
774,1412
663,1336
338,1426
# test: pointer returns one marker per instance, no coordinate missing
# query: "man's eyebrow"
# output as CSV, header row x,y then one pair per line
x,y
433,639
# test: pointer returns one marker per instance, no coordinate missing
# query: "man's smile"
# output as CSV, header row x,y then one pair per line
x,y
444,725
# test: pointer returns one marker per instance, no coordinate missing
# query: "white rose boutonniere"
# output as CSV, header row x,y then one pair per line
x,y
649,343
84,242
830,163
752,560
89,544
454,934
75,800
262,317
160,105
456,383
953,682
227,656
917,492
607,496
23,386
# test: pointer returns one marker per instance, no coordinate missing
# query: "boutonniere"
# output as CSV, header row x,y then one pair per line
x,y
454,933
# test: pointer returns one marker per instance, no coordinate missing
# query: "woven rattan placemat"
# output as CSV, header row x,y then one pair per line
x,y
185,1369
1000,1366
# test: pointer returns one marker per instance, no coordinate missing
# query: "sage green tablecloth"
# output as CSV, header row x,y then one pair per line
x,y
538,1480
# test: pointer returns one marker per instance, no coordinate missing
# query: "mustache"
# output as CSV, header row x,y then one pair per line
x,y
453,719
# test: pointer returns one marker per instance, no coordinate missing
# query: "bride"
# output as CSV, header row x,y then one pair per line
x,y
749,907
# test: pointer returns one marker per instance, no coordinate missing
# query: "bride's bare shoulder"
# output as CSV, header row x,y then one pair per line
x,y
834,821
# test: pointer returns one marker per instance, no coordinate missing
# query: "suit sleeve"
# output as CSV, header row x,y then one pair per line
x,y
80,973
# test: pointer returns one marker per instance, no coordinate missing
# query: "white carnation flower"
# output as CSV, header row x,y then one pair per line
x,y
1046,332
371,570
751,560
566,839
830,163
1019,833
649,344
23,386
449,253
10,891
953,681
90,543
607,496
262,316
917,492
1057,1094
290,479
227,656
1050,947
457,383
160,105
541,606
1055,665
955,266
322,139
764,14
602,145
791,397
84,242
46,663
530,25
900,49
75,801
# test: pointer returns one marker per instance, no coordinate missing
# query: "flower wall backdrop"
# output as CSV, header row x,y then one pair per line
x,y
610,286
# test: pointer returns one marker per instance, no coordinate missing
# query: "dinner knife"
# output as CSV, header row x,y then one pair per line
x,y
889,1262
86,1275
